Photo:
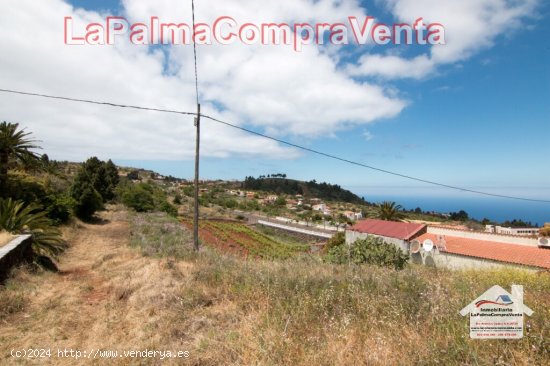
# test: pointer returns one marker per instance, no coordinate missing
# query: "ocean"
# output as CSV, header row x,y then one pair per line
x,y
495,209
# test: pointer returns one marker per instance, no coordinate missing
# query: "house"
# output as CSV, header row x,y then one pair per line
x,y
353,216
291,204
319,207
271,198
398,233
459,252
527,231
250,195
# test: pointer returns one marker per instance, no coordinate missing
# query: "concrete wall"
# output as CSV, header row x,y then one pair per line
x,y
508,239
458,262
295,229
352,236
17,251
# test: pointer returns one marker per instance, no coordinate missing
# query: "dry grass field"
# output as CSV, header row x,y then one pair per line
x,y
132,282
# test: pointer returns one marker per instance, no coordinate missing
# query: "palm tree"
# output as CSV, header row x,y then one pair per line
x,y
15,149
390,211
18,218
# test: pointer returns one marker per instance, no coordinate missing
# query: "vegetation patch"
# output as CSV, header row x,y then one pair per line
x,y
226,234
371,250
304,312
160,235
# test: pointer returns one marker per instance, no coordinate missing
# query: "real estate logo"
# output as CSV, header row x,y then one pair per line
x,y
497,314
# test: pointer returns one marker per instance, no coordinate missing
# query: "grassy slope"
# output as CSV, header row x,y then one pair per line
x,y
225,310
306,312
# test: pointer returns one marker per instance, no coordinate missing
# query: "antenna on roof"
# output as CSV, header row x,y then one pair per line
x,y
414,247
428,245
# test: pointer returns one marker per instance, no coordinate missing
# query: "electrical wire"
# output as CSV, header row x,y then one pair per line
x,y
303,148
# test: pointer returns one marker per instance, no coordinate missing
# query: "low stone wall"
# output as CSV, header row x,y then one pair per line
x,y
313,233
17,251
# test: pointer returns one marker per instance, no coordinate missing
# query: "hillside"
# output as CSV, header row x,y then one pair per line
x,y
311,189
142,287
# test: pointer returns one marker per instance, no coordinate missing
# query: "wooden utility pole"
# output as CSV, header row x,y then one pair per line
x,y
197,151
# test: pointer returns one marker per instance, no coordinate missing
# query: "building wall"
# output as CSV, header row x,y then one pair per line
x,y
512,230
484,236
352,236
458,262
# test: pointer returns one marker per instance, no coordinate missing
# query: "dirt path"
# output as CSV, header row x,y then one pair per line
x,y
107,296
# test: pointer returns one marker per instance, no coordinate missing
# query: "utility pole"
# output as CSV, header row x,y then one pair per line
x,y
197,150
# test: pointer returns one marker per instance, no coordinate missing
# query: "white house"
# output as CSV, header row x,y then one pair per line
x,y
397,233
525,231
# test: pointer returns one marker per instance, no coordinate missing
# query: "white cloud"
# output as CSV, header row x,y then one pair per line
x,y
392,66
471,26
274,88
368,135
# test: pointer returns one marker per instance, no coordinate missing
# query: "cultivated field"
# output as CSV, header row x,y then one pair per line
x,y
235,237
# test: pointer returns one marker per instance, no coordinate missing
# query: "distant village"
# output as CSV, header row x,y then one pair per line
x,y
443,244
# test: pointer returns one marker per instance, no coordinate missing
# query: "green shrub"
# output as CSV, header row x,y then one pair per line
x,y
17,217
87,200
169,209
230,203
139,197
177,199
144,197
189,191
338,239
59,208
369,251
93,185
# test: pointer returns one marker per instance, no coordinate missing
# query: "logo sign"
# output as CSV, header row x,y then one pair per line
x,y
497,314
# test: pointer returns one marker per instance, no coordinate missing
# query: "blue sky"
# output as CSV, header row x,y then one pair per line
x,y
483,122
480,117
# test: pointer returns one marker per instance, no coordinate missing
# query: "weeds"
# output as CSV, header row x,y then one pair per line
x,y
158,235
302,311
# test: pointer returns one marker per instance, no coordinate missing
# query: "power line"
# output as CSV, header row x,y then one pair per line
x,y
98,103
334,157
313,151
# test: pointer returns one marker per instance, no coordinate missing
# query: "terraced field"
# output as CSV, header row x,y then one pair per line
x,y
238,238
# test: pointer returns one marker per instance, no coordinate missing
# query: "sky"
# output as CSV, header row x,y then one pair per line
x,y
473,113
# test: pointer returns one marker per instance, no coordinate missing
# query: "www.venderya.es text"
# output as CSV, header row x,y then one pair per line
x,y
96,353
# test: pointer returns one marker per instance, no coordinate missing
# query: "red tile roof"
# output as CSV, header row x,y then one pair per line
x,y
389,229
502,252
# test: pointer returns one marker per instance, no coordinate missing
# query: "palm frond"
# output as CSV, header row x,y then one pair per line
x,y
18,218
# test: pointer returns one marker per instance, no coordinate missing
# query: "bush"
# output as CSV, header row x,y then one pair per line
x,y
94,185
87,201
139,197
177,199
230,203
369,251
59,208
337,240
189,191
144,197
169,209
17,217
